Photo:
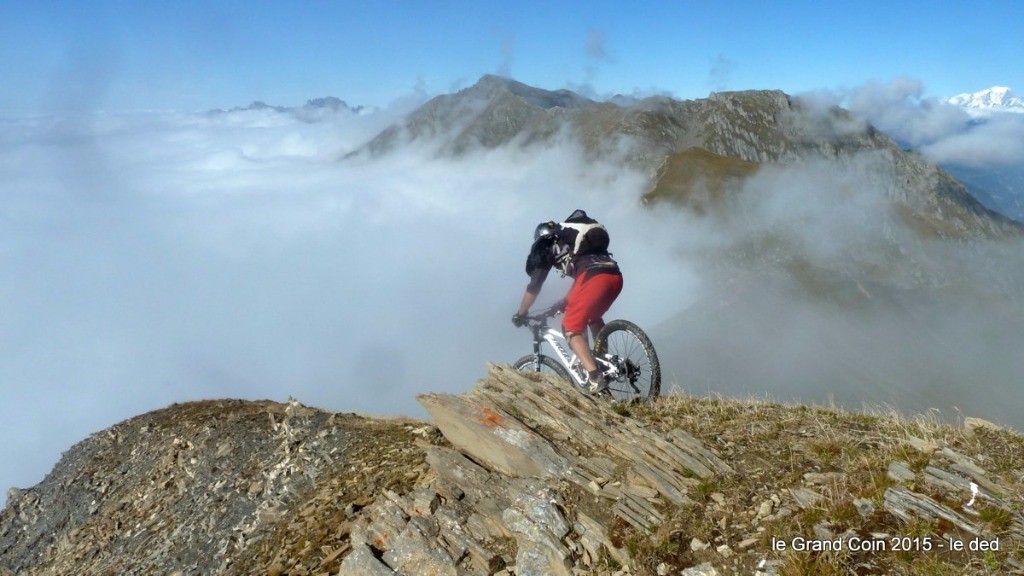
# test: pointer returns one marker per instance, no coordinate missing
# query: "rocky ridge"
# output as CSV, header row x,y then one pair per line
x,y
521,475
213,487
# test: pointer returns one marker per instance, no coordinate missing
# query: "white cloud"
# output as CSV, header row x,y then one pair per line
x,y
944,133
817,291
897,107
151,259
996,141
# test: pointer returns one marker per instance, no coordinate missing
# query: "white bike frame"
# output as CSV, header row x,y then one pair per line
x,y
555,339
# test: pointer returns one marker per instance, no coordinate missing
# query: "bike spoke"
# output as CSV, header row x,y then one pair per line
x,y
630,351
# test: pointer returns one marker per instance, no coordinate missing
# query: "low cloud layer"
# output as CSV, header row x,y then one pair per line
x,y
1000,141
816,290
944,133
152,259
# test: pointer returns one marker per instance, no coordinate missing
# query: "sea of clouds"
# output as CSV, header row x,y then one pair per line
x,y
944,133
153,258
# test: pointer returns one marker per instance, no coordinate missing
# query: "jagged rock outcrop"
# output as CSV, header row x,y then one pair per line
x,y
523,448
952,475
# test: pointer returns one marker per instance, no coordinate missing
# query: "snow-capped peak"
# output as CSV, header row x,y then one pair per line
x,y
994,99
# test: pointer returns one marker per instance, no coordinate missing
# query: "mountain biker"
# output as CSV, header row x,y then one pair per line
x,y
578,247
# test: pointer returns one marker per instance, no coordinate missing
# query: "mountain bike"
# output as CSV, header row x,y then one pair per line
x,y
622,350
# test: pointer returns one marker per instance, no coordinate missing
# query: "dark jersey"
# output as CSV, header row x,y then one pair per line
x,y
549,253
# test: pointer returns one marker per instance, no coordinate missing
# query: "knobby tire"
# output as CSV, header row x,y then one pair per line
x,y
624,339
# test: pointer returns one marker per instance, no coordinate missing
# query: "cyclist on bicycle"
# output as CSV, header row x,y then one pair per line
x,y
578,247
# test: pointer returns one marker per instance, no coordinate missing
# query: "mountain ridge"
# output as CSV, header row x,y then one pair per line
x,y
314,109
767,127
520,475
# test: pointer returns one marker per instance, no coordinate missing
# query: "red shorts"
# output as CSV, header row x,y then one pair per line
x,y
589,298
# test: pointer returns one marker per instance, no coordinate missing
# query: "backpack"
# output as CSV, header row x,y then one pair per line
x,y
580,235
584,235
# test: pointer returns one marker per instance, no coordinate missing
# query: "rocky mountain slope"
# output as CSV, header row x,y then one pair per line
x,y
210,487
524,475
664,136
999,187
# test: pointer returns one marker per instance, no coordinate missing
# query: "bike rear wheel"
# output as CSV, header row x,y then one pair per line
x,y
624,344
548,365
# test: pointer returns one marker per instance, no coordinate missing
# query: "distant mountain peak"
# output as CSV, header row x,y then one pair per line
x,y
994,99
312,110
490,85
332,103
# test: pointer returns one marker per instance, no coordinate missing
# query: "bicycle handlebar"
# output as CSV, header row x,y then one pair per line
x,y
542,316
550,312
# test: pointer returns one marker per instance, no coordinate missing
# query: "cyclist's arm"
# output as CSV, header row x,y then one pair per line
x,y
528,299
537,279
538,265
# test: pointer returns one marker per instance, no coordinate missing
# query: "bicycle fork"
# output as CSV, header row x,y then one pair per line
x,y
536,351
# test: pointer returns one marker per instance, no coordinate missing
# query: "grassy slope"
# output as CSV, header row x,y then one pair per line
x,y
773,446
699,179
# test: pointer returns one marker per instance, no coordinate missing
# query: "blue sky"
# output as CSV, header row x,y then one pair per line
x,y
194,55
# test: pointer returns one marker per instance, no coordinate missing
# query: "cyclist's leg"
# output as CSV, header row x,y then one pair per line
x,y
588,300
579,345
599,295
574,323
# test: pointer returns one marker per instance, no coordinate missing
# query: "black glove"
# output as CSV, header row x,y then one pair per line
x,y
518,319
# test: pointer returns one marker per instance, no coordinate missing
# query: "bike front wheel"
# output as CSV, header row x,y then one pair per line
x,y
548,365
626,346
